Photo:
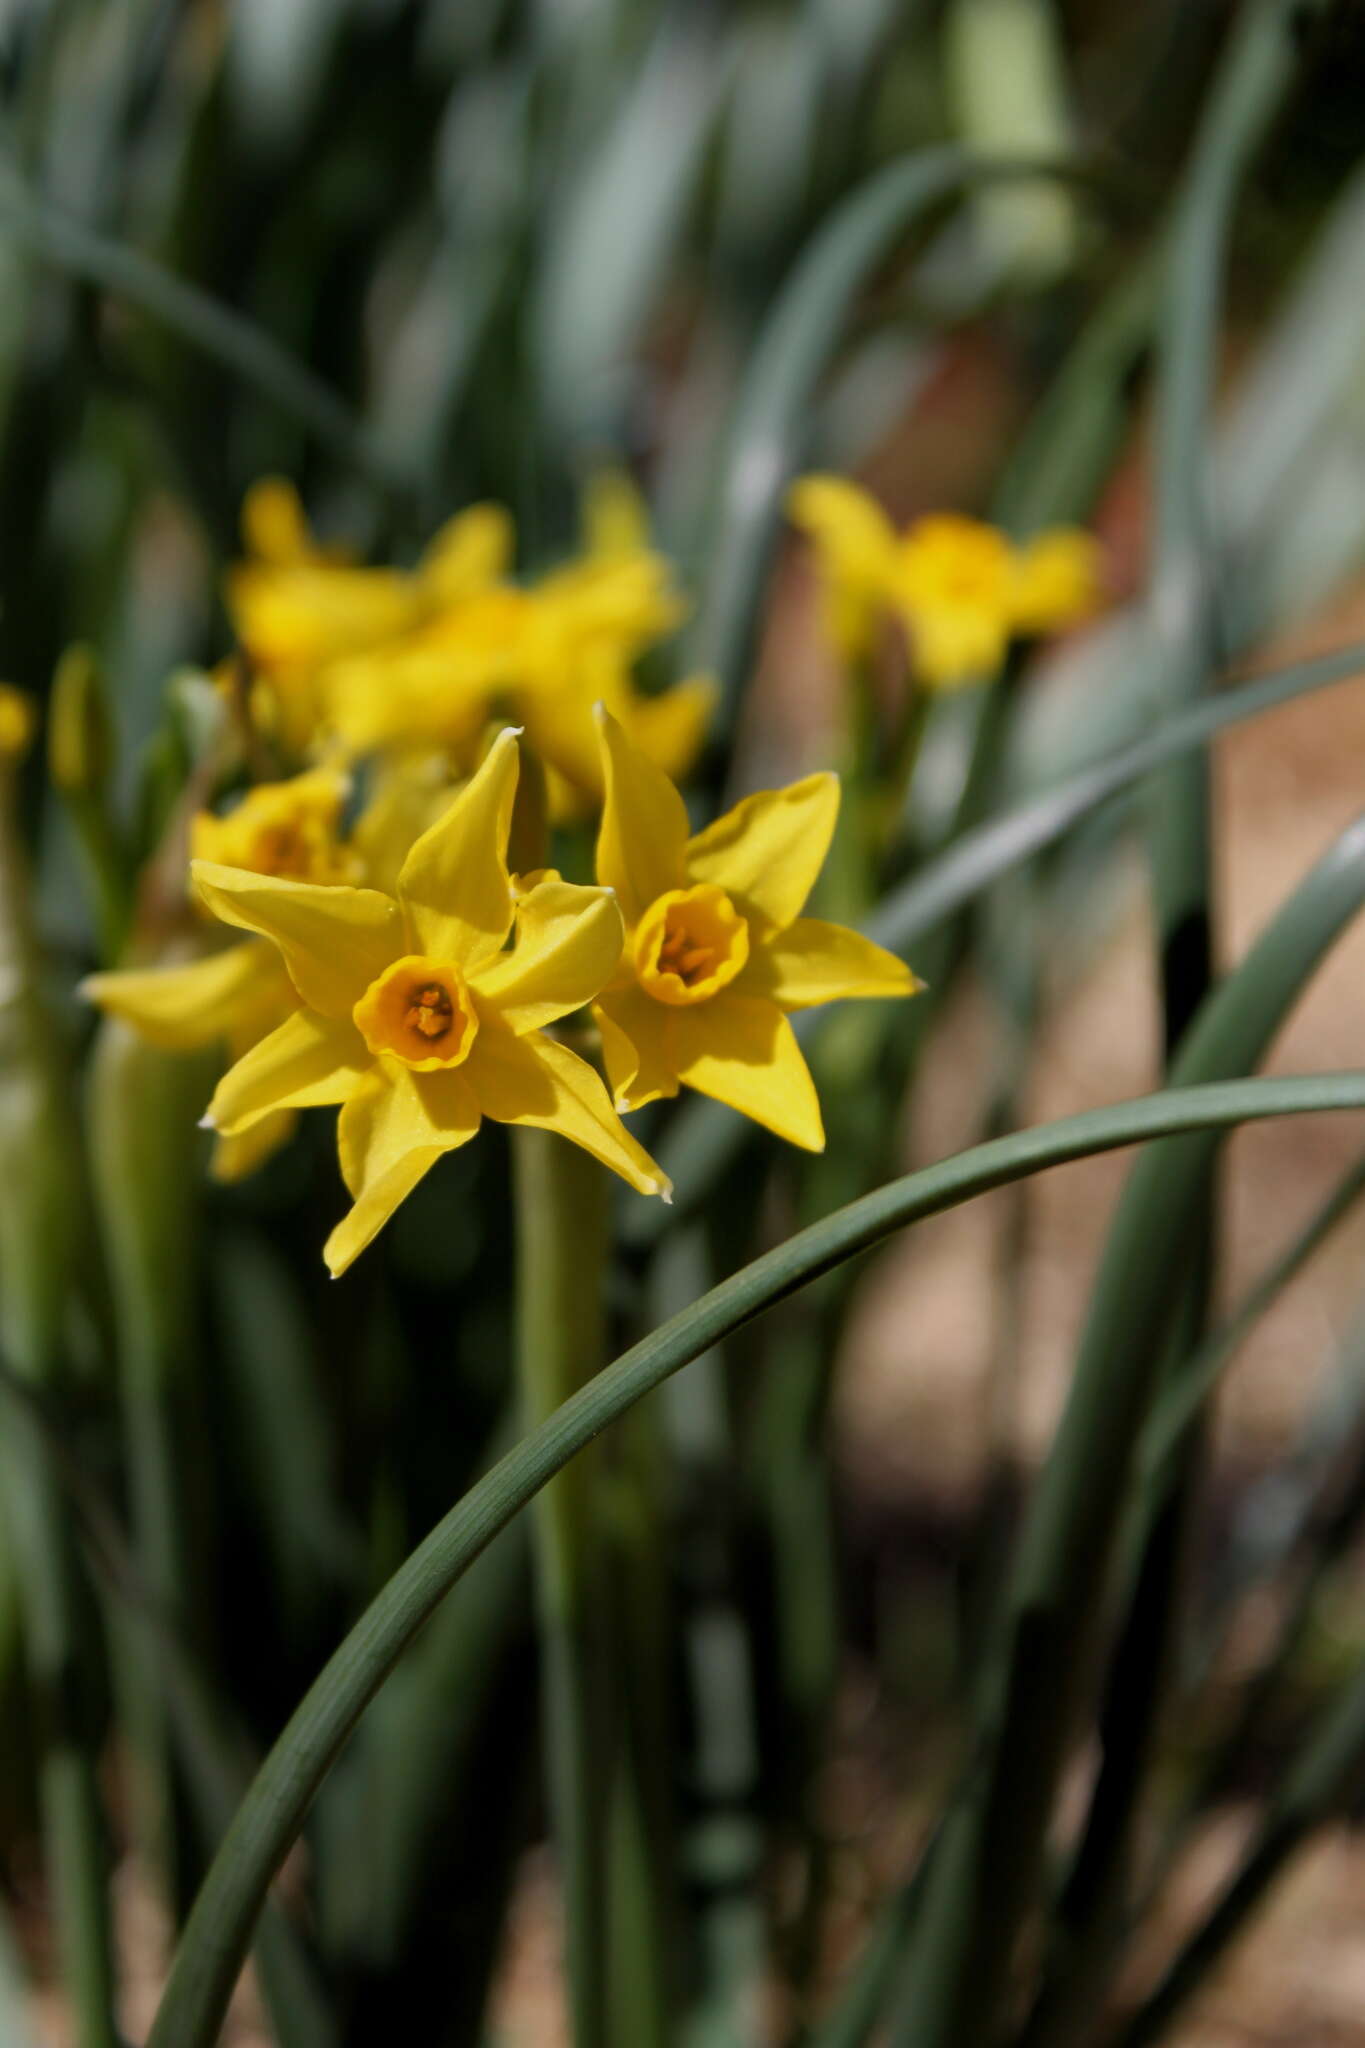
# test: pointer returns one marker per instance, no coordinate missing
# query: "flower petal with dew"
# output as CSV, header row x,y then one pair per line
x,y
418,1020
716,948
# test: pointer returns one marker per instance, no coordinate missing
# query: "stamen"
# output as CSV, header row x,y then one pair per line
x,y
430,1011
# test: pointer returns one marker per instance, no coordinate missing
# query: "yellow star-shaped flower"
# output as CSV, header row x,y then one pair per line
x,y
962,589
416,1019
717,951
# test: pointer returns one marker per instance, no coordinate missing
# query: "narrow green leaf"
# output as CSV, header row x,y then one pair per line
x,y
204,322
219,1930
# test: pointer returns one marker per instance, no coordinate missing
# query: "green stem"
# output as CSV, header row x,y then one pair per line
x,y
143,1108
42,1223
561,1202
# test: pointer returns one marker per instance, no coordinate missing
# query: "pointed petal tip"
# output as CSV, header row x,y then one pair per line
x,y
208,1122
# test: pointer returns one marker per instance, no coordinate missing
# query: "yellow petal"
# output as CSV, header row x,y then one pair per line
x,y
744,1053
814,962
470,552
615,522
393,1130
855,539
767,851
274,527
234,1158
408,793
671,728
953,645
1058,581
534,1080
644,825
635,1047
454,886
188,1005
335,940
567,948
307,1062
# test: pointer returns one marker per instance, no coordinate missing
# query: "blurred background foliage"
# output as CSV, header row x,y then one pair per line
x,y
413,255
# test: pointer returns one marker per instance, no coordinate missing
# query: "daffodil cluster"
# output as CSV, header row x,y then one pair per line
x,y
366,660
395,966
959,588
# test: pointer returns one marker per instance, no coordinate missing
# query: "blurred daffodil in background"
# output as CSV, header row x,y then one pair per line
x,y
717,951
381,661
237,995
961,589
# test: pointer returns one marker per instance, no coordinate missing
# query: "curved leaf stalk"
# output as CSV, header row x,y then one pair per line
x,y
989,1872
215,1940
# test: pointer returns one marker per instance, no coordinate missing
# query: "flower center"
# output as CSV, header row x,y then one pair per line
x,y
689,944
419,1011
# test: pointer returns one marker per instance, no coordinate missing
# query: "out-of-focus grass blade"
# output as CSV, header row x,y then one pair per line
x,y
989,1871
612,240
218,1933
1007,77
772,417
704,1137
200,320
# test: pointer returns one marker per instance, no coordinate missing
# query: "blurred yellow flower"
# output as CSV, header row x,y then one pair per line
x,y
282,828
717,951
235,997
16,723
296,607
415,1017
540,655
962,589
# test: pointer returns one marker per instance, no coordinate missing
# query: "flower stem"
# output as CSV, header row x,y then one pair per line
x,y
561,1201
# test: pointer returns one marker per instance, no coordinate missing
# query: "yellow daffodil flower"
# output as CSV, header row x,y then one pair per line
x,y
281,828
717,951
297,607
856,547
235,997
542,656
416,1019
962,589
